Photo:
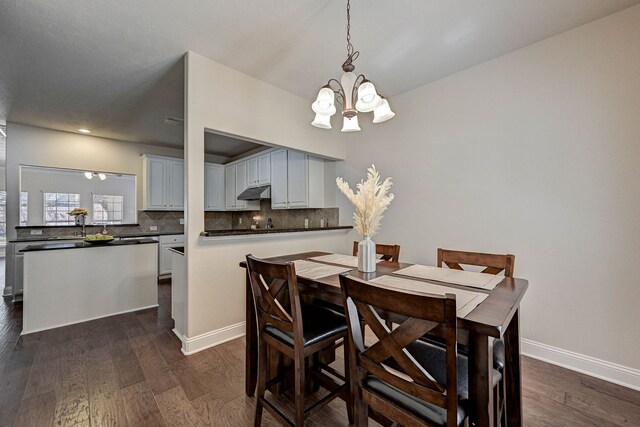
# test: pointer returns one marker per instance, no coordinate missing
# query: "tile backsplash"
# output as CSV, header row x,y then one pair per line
x,y
281,218
169,222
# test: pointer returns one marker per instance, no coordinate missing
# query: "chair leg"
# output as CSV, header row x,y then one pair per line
x,y
300,385
262,381
347,379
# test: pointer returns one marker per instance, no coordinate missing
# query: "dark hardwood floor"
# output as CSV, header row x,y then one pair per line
x,y
128,370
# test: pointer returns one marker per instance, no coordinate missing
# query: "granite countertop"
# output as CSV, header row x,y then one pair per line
x,y
27,227
117,236
83,244
236,232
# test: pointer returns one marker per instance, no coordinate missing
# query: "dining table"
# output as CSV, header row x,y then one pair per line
x,y
496,317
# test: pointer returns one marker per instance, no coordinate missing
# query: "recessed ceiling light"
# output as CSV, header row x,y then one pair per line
x,y
83,130
172,120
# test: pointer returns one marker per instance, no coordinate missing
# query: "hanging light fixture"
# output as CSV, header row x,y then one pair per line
x,y
355,93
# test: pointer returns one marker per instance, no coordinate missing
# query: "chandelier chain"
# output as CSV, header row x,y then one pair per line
x,y
351,55
349,45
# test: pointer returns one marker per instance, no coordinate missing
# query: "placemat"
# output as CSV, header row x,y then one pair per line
x,y
315,270
466,301
447,275
348,260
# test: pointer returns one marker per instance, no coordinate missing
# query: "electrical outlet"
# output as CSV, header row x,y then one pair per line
x,y
36,232
182,221
153,228
240,221
306,223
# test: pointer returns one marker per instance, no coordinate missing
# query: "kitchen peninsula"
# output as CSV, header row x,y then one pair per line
x,y
66,283
226,282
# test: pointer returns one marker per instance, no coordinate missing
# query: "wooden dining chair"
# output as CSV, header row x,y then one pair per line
x,y
493,264
408,381
388,252
299,332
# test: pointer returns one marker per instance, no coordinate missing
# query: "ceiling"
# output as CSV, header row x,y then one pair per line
x,y
227,147
116,67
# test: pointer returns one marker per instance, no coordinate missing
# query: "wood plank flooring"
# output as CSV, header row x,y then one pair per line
x,y
128,370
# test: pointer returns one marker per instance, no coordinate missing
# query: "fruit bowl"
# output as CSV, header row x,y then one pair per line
x,y
98,239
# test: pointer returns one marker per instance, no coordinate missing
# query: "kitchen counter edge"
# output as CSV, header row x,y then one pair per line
x,y
83,244
219,234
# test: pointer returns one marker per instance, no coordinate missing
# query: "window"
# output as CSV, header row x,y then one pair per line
x,y
24,207
3,212
3,217
57,207
107,209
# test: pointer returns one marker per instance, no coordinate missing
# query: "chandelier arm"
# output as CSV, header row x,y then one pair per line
x,y
339,91
356,84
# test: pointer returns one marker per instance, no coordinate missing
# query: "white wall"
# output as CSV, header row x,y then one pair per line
x,y
37,180
34,146
225,100
536,153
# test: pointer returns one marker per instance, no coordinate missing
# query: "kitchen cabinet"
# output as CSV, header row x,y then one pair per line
x,y
163,183
264,169
164,257
214,184
297,180
259,170
235,183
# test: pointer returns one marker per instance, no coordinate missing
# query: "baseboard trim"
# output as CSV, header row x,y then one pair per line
x,y
212,338
612,372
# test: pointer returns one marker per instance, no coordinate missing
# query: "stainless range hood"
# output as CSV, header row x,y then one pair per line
x,y
256,193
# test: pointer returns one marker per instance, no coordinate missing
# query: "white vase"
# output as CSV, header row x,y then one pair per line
x,y
367,255
80,219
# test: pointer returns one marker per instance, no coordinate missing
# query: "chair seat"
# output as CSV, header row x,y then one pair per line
x,y
433,359
318,323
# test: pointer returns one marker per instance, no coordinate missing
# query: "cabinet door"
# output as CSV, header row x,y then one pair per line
x,y
264,169
165,257
298,179
213,187
279,179
230,187
156,183
252,172
176,185
241,183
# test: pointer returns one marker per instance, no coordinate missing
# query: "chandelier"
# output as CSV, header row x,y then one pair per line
x,y
355,93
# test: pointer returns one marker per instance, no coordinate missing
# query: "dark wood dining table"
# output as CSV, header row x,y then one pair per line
x,y
497,317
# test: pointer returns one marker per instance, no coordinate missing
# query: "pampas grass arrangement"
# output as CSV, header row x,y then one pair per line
x,y
370,202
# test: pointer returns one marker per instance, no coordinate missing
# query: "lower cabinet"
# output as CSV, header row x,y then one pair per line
x,y
164,257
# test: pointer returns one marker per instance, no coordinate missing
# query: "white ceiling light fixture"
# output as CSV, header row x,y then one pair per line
x,y
355,93
84,130
90,175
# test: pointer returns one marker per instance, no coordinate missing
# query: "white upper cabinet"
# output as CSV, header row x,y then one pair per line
x,y
297,180
214,187
264,169
230,187
259,170
279,179
235,183
252,172
176,184
241,183
163,183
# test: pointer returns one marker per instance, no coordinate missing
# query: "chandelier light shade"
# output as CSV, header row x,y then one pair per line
x,y
354,92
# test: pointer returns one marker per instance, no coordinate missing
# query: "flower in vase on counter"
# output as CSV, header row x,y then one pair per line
x,y
79,211
370,202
